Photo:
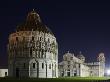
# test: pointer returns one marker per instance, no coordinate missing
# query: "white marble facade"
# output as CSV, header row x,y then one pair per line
x,y
3,72
72,66
33,50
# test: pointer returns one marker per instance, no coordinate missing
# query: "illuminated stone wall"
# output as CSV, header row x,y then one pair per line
x,y
3,72
72,66
76,66
33,53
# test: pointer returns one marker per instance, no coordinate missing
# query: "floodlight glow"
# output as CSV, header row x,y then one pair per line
x,y
108,72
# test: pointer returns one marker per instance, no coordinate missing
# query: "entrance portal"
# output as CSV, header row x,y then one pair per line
x,y
75,74
68,74
17,72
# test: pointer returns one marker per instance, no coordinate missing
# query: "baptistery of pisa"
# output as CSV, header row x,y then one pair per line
x,y
33,50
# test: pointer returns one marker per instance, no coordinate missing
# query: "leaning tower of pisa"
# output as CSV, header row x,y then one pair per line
x,y
101,60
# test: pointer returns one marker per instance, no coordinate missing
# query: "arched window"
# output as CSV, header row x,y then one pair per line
x,y
34,65
42,53
5,73
49,66
79,65
40,38
42,65
48,40
16,38
71,58
24,65
32,38
30,51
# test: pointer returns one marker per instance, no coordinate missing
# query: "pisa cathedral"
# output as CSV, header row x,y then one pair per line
x,y
33,53
76,66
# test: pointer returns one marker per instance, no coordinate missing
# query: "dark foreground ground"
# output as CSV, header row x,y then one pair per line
x,y
72,79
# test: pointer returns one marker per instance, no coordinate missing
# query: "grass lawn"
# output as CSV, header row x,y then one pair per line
x,y
66,79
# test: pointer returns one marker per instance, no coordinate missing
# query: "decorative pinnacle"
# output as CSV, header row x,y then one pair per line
x,y
68,51
33,9
80,52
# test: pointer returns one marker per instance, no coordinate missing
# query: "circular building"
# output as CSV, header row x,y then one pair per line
x,y
33,50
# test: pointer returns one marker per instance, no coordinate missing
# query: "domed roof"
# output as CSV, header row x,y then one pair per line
x,y
80,55
67,54
34,23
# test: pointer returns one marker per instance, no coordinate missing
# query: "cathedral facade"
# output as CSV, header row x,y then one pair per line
x,y
72,66
33,50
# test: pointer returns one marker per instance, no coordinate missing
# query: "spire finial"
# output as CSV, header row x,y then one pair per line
x,y
33,9
80,52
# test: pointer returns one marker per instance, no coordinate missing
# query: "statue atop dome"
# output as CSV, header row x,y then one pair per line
x,y
33,16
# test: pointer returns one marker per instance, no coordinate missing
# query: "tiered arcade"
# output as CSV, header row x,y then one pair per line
x,y
33,50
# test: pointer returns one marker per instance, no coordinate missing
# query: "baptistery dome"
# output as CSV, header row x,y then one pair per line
x,y
33,50
33,22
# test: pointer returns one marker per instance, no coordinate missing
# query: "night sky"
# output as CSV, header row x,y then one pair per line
x,y
78,26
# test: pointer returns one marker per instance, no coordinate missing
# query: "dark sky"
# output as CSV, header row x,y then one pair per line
x,y
78,26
